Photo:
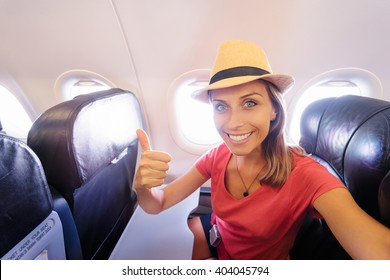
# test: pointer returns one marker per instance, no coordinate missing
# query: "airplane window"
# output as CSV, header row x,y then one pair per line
x,y
86,86
195,119
75,82
191,121
14,118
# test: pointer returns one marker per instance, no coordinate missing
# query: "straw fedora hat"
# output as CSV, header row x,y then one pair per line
x,y
239,62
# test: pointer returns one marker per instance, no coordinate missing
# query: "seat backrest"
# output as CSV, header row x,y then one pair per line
x,y
350,136
384,200
29,228
88,148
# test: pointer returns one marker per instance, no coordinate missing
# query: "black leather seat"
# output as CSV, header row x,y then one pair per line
x,y
88,148
29,228
349,135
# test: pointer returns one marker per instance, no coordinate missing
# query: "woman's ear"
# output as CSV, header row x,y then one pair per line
x,y
273,114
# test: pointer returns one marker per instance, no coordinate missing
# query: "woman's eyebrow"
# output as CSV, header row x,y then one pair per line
x,y
218,100
241,97
251,94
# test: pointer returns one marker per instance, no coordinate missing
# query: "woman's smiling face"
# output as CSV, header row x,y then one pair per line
x,y
242,116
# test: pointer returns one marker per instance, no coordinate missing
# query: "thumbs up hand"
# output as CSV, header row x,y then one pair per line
x,y
153,166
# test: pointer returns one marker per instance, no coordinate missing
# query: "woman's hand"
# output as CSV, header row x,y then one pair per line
x,y
153,167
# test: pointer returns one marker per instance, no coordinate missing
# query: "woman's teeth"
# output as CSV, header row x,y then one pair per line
x,y
239,137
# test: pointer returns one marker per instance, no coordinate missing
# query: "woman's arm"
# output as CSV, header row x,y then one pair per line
x,y
361,235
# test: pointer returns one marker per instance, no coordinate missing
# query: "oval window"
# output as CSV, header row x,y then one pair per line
x,y
191,121
14,118
335,83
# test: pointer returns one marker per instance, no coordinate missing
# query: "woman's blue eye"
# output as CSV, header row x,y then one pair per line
x,y
249,104
219,107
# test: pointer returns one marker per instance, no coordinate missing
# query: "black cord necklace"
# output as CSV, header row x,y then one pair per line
x,y
246,192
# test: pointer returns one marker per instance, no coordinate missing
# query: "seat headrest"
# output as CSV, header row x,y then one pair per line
x,y
351,134
25,197
99,126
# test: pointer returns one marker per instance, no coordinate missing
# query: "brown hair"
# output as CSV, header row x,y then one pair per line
x,y
278,154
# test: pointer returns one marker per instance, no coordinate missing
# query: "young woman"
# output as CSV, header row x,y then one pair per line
x,y
261,188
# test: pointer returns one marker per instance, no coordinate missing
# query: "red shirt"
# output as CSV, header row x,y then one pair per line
x,y
264,224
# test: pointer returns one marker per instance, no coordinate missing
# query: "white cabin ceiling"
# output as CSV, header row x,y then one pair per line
x,y
145,44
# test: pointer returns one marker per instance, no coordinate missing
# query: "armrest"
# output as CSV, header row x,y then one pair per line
x,y
204,205
71,236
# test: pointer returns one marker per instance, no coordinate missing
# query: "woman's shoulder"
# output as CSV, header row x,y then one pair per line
x,y
212,160
304,164
215,153
301,158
